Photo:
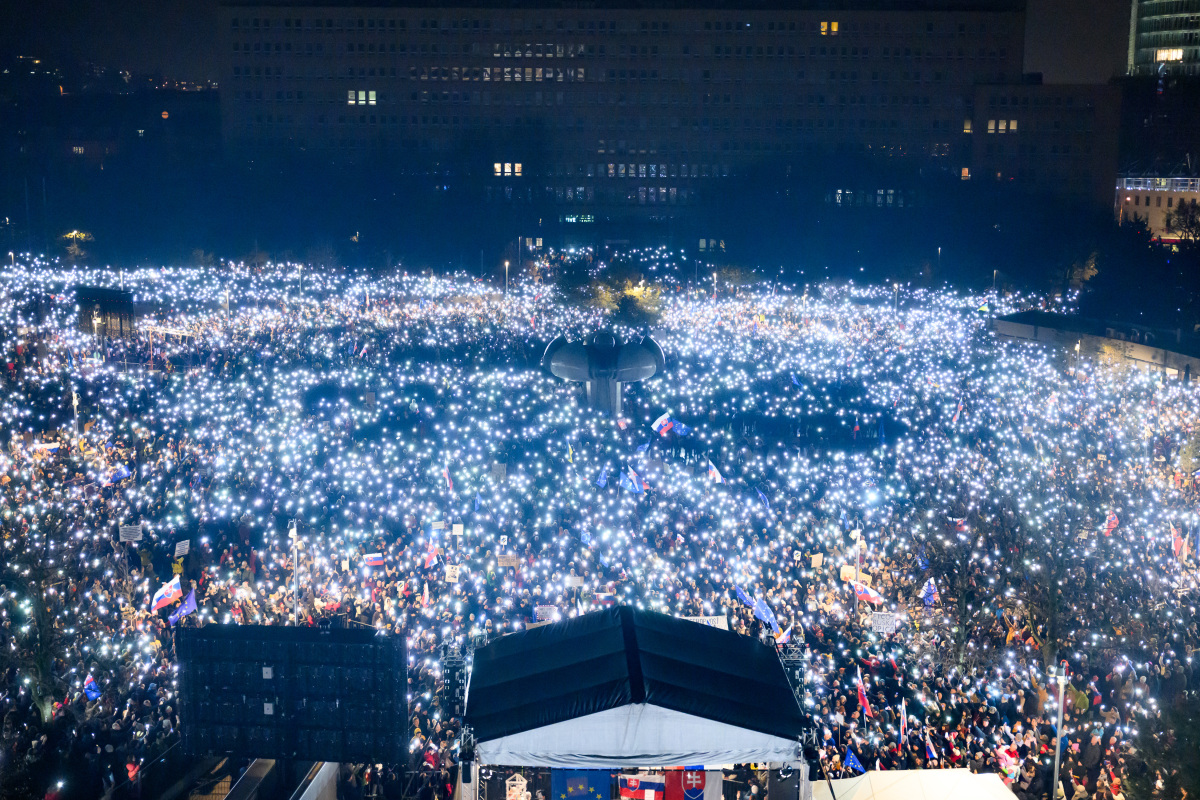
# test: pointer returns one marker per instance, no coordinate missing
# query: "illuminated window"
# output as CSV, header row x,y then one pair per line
x,y
77,150
1003,125
966,173
991,126
833,28
508,168
362,98
824,28
1012,126
497,166
966,126
350,97
1171,54
371,98
517,169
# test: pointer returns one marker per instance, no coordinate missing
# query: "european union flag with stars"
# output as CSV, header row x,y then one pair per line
x,y
581,784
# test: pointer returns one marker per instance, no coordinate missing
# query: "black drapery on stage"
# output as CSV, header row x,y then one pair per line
x,y
623,687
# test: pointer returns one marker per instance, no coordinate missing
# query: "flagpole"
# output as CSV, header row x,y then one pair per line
x,y
295,575
825,772
1058,742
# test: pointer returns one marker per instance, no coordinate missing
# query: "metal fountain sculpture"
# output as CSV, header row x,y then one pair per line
x,y
604,364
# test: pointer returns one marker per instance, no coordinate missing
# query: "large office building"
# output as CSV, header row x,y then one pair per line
x,y
645,108
1164,38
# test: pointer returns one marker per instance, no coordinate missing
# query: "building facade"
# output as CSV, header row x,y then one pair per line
x,y
1164,38
611,108
1154,196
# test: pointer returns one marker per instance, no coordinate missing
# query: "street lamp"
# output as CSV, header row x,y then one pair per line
x,y
896,287
12,259
1061,678
506,277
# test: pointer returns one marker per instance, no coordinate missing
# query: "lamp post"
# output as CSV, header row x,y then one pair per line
x,y
506,277
293,534
896,292
1061,678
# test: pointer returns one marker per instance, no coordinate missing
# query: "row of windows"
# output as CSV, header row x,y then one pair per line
x,y
1055,100
880,198
780,127
1146,10
824,27
1162,184
532,50
572,75
507,169
1158,201
642,195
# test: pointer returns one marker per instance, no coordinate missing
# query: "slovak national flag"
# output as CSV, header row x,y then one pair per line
x,y
714,473
862,697
663,424
167,594
642,787
866,593
373,560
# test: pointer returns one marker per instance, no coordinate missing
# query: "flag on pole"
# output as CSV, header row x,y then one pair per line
x,y
929,751
478,500
89,686
763,497
957,411
187,607
570,454
167,594
373,560
852,761
663,424
783,637
602,482
446,475
714,473
866,593
1111,523
903,721
862,696
930,593
431,557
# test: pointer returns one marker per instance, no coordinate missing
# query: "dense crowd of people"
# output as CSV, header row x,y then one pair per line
x,y
843,451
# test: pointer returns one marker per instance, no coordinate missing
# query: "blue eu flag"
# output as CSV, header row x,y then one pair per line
x,y
581,784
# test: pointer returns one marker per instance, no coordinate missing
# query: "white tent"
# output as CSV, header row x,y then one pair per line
x,y
624,687
915,784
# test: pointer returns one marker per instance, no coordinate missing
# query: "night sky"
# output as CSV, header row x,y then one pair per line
x,y
1069,41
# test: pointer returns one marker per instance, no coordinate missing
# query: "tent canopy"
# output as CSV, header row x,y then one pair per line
x,y
623,687
915,784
